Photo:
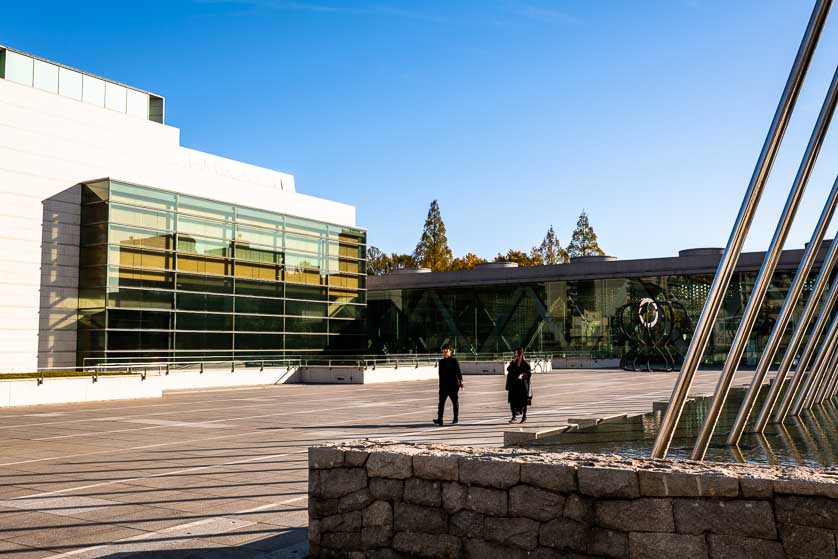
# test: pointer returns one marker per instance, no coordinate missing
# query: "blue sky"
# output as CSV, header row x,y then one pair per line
x,y
515,115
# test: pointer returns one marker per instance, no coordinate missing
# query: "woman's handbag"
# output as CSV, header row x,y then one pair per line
x,y
529,396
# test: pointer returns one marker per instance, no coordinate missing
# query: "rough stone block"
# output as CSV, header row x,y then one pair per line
x,y
314,489
354,501
608,482
736,547
443,468
732,518
579,508
342,541
532,502
338,482
515,532
319,508
454,496
818,512
390,465
807,542
423,492
564,533
553,477
489,473
324,457
415,518
383,554
346,522
314,532
608,543
756,488
376,536
466,523
639,515
815,488
649,545
440,546
355,458
379,513
550,553
488,501
481,549
680,484
386,489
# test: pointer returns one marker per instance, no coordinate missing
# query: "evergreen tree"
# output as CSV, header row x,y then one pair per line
x,y
550,251
583,242
467,262
432,251
377,261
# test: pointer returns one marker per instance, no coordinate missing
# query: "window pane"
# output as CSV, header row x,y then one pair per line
x,y
259,323
260,218
259,342
256,236
257,254
46,76
204,302
204,228
204,321
305,342
208,284
304,244
203,341
69,83
265,272
205,208
258,306
134,257
305,308
207,247
19,68
115,97
137,104
136,320
259,288
139,298
138,237
310,293
204,265
142,217
139,196
93,90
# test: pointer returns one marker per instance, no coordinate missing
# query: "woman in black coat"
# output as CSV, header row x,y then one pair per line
x,y
518,385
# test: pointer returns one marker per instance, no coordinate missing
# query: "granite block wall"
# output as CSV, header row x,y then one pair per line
x,y
380,500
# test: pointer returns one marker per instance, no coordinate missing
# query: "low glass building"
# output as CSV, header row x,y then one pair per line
x,y
640,313
170,277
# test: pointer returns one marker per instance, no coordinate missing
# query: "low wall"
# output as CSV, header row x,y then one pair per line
x,y
382,500
585,363
356,375
28,392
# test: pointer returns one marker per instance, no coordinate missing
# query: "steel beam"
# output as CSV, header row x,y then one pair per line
x,y
727,264
766,272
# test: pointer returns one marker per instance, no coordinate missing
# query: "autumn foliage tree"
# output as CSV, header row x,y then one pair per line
x,y
550,250
583,241
467,262
432,250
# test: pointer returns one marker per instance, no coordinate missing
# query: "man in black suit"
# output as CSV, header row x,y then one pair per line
x,y
450,383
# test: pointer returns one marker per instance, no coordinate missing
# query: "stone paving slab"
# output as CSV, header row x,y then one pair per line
x,y
223,473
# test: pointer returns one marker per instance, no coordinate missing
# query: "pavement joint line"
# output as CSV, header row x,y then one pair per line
x,y
134,429
163,532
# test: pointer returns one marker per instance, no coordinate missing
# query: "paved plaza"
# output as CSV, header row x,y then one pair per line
x,y
222,473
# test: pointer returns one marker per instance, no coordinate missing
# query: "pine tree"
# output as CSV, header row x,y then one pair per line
x,y
550,251
432,250
583,241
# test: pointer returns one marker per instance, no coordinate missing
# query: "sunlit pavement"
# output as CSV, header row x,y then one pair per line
x,y
223,473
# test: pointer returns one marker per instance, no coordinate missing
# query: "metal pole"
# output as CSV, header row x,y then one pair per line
x,y
819,375
740,228
828,380
766,272
798,335
811,382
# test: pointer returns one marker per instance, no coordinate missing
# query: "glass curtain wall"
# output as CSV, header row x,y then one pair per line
x,y
166,276
580,317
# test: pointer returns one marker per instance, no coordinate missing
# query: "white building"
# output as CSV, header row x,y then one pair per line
x,y
60,127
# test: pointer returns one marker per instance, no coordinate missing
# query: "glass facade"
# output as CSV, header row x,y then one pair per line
x,y
596,318
165,276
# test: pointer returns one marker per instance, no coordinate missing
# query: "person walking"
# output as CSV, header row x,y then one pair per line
x,y
518,375
450,383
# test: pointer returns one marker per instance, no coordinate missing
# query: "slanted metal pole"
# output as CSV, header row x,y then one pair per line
x,y
820,375
807,262
828,380
741,226
799,334
763,279
824,352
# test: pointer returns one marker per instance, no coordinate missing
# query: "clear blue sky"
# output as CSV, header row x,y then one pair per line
x,y
515,115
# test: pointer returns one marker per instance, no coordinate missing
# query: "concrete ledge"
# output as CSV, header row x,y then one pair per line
x,y
27,392
380,499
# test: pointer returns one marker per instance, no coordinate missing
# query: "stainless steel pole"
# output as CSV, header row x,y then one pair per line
x,y
827,381
799,334
741,226
766,272
824,353
821,375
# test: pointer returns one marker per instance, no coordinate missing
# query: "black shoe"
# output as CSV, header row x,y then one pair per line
x,y
437,421
455,422
514,417
523,420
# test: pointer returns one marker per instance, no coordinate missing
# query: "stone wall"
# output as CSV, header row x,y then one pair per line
x,y
382,500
